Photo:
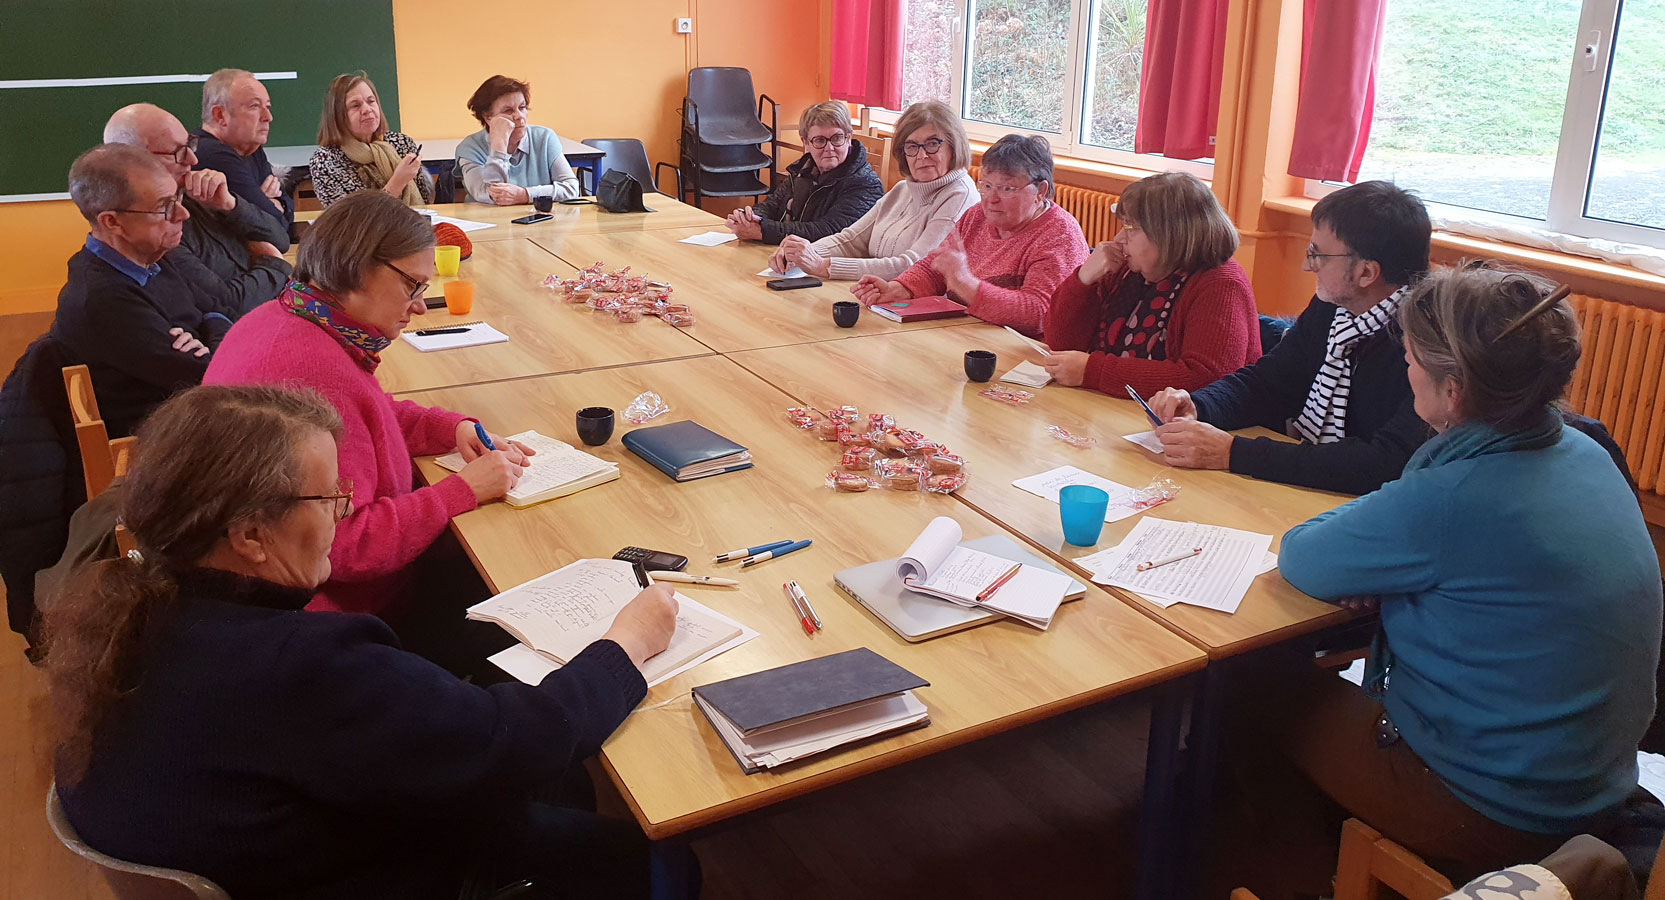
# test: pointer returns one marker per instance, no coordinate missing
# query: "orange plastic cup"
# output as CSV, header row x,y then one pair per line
x,y
459,297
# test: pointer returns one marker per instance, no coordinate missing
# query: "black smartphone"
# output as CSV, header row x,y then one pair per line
x,y
576,201
434,302
792,284
532,219
652,560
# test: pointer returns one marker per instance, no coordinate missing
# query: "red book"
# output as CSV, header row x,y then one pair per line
x,y
919,309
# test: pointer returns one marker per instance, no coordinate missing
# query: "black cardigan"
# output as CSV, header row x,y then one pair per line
x,y
836,201
1383,429
216,243
284,753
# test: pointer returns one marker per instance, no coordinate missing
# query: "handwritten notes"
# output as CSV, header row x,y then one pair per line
x,y
1047,485
1217,578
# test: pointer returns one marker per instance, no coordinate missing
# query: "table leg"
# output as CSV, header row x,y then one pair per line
x,y
671,862
1159,825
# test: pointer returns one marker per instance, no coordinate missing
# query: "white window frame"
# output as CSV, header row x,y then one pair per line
x,y
1082,53
1575,155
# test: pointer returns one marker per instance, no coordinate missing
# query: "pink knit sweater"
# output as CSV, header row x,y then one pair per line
x,y
391,524
1018,273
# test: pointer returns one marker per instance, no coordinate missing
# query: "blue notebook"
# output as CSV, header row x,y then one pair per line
x,y
687,450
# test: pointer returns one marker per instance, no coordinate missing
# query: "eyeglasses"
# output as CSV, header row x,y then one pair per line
x,y
178,201
837,140
1316,259
929,145
343,500
1000,190
417,288
179,153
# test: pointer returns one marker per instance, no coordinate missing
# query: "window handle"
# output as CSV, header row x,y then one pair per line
x,y
1591,50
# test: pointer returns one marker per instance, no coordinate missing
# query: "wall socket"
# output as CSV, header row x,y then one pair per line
x,y
684,26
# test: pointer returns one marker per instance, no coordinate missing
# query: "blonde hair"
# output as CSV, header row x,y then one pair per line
x,y
1182,218
332,125
831,113
925,114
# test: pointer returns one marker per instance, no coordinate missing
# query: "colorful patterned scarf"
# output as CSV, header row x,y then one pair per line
x,y
362,343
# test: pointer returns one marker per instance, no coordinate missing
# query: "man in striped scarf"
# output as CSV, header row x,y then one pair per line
x,y
1336,382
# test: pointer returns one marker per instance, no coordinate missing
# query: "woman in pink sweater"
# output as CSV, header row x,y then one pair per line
x,y
359,278
1006,255
1162,305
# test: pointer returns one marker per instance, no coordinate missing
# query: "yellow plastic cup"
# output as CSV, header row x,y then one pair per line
x,y
447,259
459,296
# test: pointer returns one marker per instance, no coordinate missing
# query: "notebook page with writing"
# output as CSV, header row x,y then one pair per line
x,y
1217,578
927,552
935,564
554,464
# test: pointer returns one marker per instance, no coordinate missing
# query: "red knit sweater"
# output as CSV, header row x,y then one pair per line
x,y
1018,273
1213,331
391,524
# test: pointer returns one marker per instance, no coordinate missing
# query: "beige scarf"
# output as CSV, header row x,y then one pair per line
x,y
376,162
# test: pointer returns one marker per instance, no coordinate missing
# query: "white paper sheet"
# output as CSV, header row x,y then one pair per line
x,y
1355,673
1145,439
710,238
792,272
1027,374
467,225
1650,773
1215,579
920,561
471,336
553,463
1034,345
935,564
1047,484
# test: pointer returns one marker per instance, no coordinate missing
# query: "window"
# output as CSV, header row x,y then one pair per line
x,y
1475,109
1066,69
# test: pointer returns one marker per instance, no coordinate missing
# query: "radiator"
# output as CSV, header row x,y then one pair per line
x,y
1089,207
1617,381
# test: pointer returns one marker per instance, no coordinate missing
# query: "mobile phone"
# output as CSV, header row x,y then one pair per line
x,y
434,302
576,201
652,560
532,219
791,284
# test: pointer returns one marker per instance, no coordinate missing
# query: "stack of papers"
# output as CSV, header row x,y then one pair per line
x,y
462,334
790,741
1047,485
791,272
556,469
1217,578
1027,374
710,238
937,565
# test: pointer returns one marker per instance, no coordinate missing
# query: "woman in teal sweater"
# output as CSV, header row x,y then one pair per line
x,y
1519,593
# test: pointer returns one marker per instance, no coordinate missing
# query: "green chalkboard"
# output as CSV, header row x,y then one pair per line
x,y
43,129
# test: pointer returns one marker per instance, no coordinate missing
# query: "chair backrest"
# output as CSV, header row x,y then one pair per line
x,y
723,92
1368,862
878,156
130,881
626,155
101,458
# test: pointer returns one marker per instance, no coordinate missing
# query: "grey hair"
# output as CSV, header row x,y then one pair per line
x,y
1021,157
357,233
216,91
101,179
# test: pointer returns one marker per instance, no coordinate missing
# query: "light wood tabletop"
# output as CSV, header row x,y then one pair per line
x,y
733,310
669,764
546,334
919,378
587,218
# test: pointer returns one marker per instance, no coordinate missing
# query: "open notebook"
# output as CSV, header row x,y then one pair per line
x,y
937,564
557,469
450,336
561,613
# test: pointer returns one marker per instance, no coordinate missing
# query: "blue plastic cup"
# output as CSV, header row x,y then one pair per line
x,y
1082,509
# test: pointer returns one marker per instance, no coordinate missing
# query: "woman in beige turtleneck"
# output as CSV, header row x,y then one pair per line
x,y
912,219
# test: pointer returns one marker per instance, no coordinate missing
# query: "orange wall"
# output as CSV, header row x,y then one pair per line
x,y
610,69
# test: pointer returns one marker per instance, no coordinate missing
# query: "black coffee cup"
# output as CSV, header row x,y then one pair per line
x,y
543,204
979,364
846,312
595,425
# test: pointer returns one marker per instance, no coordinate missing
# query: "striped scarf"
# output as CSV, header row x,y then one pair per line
x,y
1323,420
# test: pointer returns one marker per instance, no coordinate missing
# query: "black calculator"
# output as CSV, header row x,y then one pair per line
x,y
652,560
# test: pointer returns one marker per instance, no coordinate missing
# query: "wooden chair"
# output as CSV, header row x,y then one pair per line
x,y
102,460
131,881
878,156
1368,862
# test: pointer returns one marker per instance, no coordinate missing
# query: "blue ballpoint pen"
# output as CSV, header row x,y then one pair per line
x,y
737,554
484,438
1149,414
756,558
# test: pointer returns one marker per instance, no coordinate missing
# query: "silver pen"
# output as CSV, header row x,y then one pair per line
x,y
804,599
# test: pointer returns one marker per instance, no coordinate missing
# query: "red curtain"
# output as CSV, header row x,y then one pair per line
x,y
867,37
1341,42
1179,78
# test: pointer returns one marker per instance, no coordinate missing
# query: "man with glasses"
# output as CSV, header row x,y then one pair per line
x,y
824,192
236,120
228,244
1336,382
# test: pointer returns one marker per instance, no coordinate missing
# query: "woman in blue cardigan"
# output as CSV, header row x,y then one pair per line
x,y
1520,598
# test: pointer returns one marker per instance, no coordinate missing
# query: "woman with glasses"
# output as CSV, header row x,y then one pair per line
x,y
1006,255
932,154
359,279
294,754
1519,592
1164,304
825,191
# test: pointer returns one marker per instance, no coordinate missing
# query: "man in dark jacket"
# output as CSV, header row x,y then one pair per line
x,y
228,245
824,192
40,476
1336,382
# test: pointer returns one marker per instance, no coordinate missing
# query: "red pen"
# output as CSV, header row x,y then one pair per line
x,y
803,619
984,595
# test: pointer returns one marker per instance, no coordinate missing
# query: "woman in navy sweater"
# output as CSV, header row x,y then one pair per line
x,y
1519,592
206,723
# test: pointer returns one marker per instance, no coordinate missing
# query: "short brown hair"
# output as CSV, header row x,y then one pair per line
x,y
101,179
357,233
1452,322
1182,218
832,112
332,125
492,88
925,114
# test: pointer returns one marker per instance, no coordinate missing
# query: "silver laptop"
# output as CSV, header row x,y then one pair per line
x,y
918,617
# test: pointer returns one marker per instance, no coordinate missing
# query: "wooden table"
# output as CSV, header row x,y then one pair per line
x,y
586,218
546,335
669,764
733,310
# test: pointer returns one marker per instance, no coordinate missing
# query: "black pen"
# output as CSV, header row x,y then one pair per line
x,y
642,576
431,331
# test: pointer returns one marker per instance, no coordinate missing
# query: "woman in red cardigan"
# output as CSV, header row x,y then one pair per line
x,y
1162,305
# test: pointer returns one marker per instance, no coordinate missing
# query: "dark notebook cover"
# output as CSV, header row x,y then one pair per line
x,y
812,686
675,446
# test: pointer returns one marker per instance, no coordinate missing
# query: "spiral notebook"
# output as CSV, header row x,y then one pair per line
x,y
556,469
453,335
